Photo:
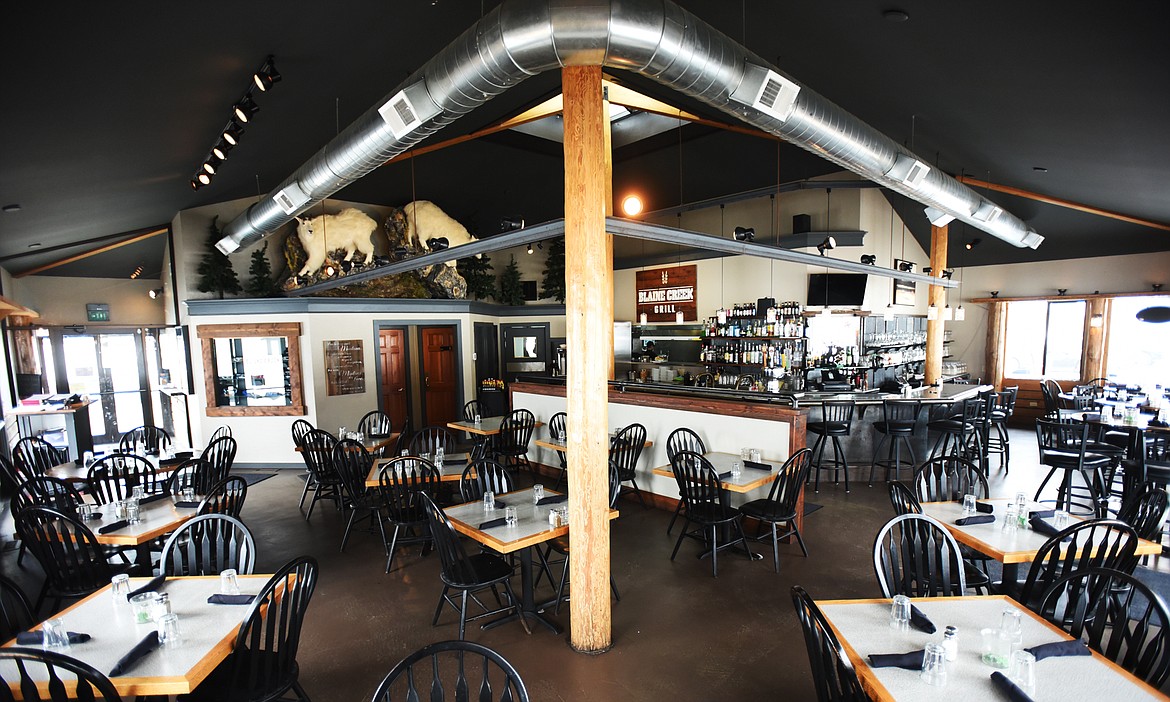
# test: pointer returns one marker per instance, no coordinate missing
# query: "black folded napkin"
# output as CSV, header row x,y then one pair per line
x,y
114,526
909,661
152,586
976,519
143,647
725,475
231,599
920,621
187,504
757,466
153,498
1092,417
94,517
552,500
37,638
1059,648
500,504
177,458
1158,423
984,507
1041,513
493,523
1043,527
1009,688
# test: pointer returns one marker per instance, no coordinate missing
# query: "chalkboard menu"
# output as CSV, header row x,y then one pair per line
x,y
345,367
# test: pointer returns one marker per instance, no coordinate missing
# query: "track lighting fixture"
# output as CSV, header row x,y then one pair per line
x,y
744,233
211,163
995,293
906,266
947,273
231,133
156,293
1061,291
221,149
928,270
827,245
245,109
242,112
439,243
530,248
973,243
869,259
266,76
509,224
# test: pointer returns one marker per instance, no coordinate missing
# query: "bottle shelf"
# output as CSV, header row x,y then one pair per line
x,y
755,338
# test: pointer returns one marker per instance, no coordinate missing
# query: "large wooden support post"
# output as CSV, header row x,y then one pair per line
x,y
589,327
937,298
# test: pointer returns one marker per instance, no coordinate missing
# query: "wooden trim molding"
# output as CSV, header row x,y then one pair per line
x,y
289,330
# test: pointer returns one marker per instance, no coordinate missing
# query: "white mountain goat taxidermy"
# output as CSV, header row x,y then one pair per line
x,y
349,229
418,221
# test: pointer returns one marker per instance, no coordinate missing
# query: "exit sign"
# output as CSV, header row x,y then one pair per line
x,y
97,312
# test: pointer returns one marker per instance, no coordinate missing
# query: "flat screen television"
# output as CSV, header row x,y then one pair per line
x,y
836,289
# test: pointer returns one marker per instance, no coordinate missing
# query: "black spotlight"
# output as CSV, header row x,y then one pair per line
x,y
401,252
928,270
231,133
827,245
947,273
906,266
744,233
438,243
221,149
994,293
211,163
530,249
869,259
346,266
381,260
511,223
266,76
973,243
245,108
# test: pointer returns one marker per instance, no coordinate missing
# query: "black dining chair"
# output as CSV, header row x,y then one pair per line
x,y
403,482
835,422
36,667
46,491
449,670
1094,543
151,439
561,546
834,677
207,545
404,437
903,499
1145,510
956,428
510,446
73,561
472,408
225,497
947,478
219,456
429,439
484,475
467,573
191,473
558,424
353,464
1064,448
300,429
779,507
1117,615
625,448
899,419
263,662
32,456
16,613
317,452
681,439
914,555
115,476
706,508
376,424
219,433
1003,409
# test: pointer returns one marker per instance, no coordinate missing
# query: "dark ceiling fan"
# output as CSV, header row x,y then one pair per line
x,y
1156,315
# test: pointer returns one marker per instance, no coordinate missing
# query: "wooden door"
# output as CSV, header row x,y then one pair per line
x,y
439,376
392,366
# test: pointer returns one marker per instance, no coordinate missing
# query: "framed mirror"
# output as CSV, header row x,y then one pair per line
x,y
252,369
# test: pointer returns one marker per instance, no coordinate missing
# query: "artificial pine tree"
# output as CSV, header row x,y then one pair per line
x,y
511,292
261,283
481,283
553,285
215,270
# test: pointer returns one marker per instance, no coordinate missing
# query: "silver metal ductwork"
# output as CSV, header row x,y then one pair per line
x,y
655,38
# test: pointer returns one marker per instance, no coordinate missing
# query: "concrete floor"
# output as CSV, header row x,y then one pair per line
x,y
678,633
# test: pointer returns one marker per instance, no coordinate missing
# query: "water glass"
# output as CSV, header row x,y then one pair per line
x,y
168,631
55,636
440,453
1023,671
997,647
85,511
342,431
1010,522
87,459
561,436
489,501
1012,622
1021,502
736,469
563,515
133,514
1060,519
756,455
228,583
934,665
425,455
537,493
120,587
968,504
188,493
478,419
510,516
745,453
900,613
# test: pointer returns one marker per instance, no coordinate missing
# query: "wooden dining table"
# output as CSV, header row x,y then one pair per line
x,y
451,470
1011,548
488,426
555,444
862,627
532,529
77,471
156,518
208,632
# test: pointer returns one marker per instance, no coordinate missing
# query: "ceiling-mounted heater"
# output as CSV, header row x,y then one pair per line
x,y
767,91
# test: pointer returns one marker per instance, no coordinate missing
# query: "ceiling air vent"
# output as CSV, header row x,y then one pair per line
x,y
767,91
908,170
987,212
290,198
408,109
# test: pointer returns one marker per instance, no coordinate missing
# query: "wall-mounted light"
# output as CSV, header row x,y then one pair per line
x,y
827,245
868,259
1097,321
155,293
632,205
744,233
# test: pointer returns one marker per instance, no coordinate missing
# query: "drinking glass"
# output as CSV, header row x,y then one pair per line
x,y
537,493
440,453
997,647
1010,523
143,607
87,459
736,469
756,455
478,419
745,453
1021,502
563,513
1023,671
489,501
54,634
561,436
132,511
1012,622
120,587
1060,519
189,493
425,455
85,511
169,634
934,665
342,431
510,516
228,583
968,504
119,509
900,613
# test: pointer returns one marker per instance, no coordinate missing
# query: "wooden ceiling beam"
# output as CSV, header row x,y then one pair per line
x,y
1070,297
93,252
1060,202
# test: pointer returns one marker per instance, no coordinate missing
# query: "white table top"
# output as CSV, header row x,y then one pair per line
x,y
157,518
452,469
748,479
487,426
863,628
208,634
531,527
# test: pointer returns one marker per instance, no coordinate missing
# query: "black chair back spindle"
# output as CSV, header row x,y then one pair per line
x,y
225,497
457,670
208,545
833,674
64,677
914,555
114,477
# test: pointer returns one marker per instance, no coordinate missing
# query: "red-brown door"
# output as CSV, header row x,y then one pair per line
x,y
392,355
439,391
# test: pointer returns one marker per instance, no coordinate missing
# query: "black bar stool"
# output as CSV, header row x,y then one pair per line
x,y
955,430
1002,410
897,426
836,421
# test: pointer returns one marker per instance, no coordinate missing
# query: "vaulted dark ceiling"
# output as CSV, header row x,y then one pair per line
x,y
108,112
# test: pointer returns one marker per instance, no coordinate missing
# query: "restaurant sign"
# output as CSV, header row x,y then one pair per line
x,y
664,292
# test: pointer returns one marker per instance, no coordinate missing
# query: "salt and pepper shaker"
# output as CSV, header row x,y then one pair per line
x,y
950,642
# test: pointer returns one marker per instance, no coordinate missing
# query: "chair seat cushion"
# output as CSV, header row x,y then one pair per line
x,y
894,427
219,685
767,510
489,567
950,425
829,427
711,513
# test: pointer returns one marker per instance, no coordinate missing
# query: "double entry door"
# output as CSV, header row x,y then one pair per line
x,y
419,374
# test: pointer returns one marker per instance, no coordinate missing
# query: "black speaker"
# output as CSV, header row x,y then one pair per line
x,y
801,223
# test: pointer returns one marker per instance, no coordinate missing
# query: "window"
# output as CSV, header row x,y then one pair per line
x,y
1044,339
1139,352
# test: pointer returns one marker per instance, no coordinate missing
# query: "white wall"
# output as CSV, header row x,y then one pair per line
x,y
61,300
